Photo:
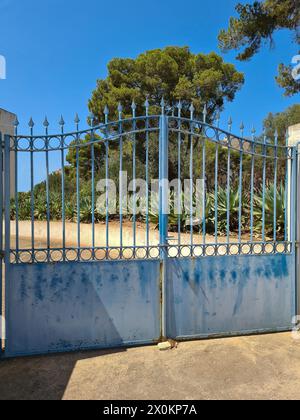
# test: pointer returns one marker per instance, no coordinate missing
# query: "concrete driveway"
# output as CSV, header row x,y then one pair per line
x,y
260,367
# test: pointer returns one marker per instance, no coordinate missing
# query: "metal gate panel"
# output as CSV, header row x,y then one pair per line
x,y
230,295
74,306
200,276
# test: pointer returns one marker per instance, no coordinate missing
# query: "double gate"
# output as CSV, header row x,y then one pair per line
x,y
146,228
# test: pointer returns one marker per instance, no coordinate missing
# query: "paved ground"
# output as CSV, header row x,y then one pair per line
x,y
261,367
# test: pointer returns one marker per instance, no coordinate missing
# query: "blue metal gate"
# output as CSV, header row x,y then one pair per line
x,y
208,248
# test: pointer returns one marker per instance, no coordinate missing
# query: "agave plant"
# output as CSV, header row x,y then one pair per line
x,y
85,210
174,214
268,203
55,206
70,210
40,209
222,207
182,215
24,206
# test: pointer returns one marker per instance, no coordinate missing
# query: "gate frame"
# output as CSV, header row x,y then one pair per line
x,y
163,212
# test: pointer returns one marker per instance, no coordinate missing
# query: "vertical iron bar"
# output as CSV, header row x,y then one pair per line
x,y
216,192
93,186
47,189
32,190
204,191
264,189
121,180
134,175
147,177
275,187
78,187
241,191
106,180
63,210
16,192
163,181
294,218
179,198
191,175
286,198
228,186
7,197
204,178
252,188
7,194
293,227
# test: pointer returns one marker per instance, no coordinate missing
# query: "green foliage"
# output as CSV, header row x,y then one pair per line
x,y
175,214
173,73
255,25
234,202
281,122
286,81
185,217
269,210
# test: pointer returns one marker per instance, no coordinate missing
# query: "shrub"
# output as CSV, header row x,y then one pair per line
x,y
269,210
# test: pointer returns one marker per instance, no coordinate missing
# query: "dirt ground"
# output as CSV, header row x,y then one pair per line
x,y
56,230
257,367
56,234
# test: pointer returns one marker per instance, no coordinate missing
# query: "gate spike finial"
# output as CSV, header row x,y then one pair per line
x,y
16,122
120,110
31,123
204,113
92,119
264,135
242,127
77,120
147,105
133,107
179,107
253,131
230,124
162,104
276,137
61,121
192,109
106,113
46,122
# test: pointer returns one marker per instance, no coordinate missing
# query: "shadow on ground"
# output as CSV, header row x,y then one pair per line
x,y
42,377
257,367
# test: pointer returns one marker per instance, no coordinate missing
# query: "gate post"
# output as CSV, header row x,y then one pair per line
x,y
163,212
7,120
293,207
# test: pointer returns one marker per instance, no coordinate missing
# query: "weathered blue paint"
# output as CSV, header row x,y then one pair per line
x,y
72,306
229,295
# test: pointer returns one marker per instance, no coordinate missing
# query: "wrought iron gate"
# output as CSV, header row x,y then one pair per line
x,y
208,248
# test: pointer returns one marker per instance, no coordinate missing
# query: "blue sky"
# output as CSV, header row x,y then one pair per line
x,y
56,50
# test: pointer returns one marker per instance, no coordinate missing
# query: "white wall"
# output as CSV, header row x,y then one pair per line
x,y
7,120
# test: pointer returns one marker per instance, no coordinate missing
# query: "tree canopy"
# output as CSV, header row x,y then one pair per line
x,y
281,121
255,25
173,73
